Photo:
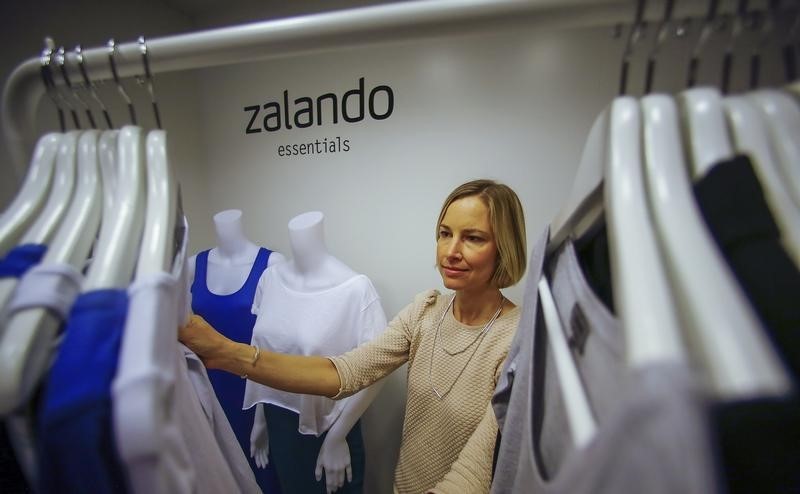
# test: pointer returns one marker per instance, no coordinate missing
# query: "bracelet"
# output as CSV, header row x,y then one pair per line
x,y
253,362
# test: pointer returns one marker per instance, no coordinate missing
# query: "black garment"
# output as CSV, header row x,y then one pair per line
x,y
758,441
733,205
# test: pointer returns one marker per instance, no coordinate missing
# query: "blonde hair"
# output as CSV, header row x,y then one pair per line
x,y
508,224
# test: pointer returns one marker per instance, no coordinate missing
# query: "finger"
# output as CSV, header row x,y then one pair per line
x,y
318,472
349,470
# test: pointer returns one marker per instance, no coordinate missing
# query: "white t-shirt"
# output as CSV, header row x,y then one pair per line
x,y
326,322
171,435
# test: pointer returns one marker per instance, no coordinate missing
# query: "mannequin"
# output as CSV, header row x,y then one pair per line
x,y
230,261
224,280
313,272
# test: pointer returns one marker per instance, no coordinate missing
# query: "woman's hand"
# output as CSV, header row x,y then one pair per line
x,y
204,340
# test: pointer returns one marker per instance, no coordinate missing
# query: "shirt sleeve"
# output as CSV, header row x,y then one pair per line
x,y
376,359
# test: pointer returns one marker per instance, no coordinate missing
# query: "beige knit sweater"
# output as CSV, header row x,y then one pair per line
x,y
447,444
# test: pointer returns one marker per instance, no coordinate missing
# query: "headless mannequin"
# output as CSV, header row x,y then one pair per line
x,y
230,262
313,268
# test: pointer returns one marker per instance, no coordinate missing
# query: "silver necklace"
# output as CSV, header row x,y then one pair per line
x,y
483,332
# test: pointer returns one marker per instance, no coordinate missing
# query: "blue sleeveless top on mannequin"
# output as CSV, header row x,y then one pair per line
x,y
231,316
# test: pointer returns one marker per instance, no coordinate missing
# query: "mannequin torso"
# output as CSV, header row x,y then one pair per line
x,y
230,262
311,268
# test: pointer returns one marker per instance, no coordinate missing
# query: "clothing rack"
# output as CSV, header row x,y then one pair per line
x,y
419,19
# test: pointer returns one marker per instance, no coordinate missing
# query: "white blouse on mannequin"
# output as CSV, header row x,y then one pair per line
x,y
290,299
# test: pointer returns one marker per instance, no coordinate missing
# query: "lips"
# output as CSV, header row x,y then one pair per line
x,y
452,272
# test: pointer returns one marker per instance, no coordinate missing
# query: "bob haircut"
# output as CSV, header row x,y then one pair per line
x,y
508,225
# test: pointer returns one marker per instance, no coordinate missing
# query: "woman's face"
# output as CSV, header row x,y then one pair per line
x,y
466,249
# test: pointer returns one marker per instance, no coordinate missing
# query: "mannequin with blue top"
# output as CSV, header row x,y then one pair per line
x,y
224,281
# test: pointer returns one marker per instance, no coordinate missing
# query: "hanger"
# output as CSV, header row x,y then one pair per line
x,y
751,137
705,129
583,208
44,227
32,194
722,331
584,205
28,202
121,228
27,342
642,292
705,33
579,415
155,254
782,116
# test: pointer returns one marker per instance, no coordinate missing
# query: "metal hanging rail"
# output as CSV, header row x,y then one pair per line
x,y
419,19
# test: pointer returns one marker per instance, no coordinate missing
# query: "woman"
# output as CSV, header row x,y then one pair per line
x,y
454,344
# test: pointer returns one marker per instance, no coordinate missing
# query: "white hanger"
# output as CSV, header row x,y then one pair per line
x,y
155,255
107,152
584,206
707,134
642,293
45,225
43,228
117,246
27,342
751,137
32,194
719,325
783,121
579,415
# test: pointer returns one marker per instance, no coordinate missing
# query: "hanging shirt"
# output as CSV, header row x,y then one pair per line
x,y
21,258
326,322
231,315
77,450
736,212
733,205
172,433
652,435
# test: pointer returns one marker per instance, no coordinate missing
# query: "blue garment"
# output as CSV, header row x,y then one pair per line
x,y
20,259
295,455
77,451
231,316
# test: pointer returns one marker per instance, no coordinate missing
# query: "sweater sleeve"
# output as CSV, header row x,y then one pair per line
x,y
376,359
471,473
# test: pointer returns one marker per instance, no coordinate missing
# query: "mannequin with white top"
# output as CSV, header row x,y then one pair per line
x,y
312,270
227,277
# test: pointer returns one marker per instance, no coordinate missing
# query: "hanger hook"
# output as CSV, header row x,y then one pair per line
x,y
633,37
789,51
736,30
61,62
45,61
765,24
149,79
112,49
705,33
91,85
661,35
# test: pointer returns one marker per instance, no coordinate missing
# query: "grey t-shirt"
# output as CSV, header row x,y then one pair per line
x,y
652,433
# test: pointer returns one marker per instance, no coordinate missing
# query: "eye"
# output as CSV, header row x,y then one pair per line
x,y
444,234
474,238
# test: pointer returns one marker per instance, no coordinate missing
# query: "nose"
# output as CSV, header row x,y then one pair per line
x,y
454,250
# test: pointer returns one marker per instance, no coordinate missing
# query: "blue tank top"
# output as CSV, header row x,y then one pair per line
x,y
231,316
